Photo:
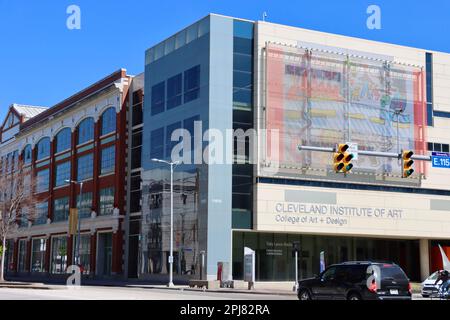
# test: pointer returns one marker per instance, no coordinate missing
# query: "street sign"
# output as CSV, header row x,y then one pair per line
x,y
249,265
440,160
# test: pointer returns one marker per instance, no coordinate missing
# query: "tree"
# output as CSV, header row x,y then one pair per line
x,y
17,204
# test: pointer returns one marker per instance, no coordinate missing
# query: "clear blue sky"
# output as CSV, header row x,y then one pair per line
x,y
42,62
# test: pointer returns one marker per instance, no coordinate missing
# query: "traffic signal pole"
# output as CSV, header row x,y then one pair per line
x,y
366,153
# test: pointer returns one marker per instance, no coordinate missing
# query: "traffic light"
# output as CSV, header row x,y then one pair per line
x,y
342,159
407,163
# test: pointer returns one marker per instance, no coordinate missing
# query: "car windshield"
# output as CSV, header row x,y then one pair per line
x,y
434,276
392,271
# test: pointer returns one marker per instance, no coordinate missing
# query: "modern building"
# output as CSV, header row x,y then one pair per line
x,y
294,87
82,139
231,100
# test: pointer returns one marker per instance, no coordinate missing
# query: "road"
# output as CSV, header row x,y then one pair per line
x,y
120,293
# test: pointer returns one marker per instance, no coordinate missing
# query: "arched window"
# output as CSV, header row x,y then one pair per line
x,y
26,155
63,140
108,121
43,148
86,130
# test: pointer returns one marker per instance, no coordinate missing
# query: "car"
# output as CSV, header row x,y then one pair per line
x,y
357,280
429,287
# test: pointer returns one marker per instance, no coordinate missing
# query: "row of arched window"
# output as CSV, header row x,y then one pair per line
x,y
85,133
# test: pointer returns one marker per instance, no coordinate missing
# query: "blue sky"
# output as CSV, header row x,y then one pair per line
x,y
43,62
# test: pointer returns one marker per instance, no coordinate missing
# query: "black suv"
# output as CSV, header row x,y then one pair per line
x,y
362,280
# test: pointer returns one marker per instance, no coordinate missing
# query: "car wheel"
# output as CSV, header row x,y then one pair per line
x,y
354,296
304,295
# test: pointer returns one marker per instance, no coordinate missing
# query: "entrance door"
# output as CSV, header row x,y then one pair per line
x,y
104,256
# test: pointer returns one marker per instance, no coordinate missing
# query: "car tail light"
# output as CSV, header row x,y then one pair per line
x,y
373,287
409,288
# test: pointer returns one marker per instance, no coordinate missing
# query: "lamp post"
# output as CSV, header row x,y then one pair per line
x,y
171,164
77,244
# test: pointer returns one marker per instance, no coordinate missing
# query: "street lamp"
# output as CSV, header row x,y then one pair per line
x,y
77,244
171,164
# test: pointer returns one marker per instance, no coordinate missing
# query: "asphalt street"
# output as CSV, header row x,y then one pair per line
x,y
120,293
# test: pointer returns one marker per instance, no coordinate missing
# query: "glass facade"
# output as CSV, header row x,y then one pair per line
x,y
59,255
155,233
191,84
174,91
169,143
242,197
158,98
108,160
38,247
275,262
157,143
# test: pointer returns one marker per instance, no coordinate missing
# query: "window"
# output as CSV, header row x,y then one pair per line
x,y
106,201
61,209
41,213
135,194
157,143
158,95
191,84
108,121
189,125
85,167
62,173
169,143
108,160
27,156
174,91
43,148
59,255
38,247
84,211
438,147
85,252
86,130
9,257
63,140
22,256
137,108
136,151
329,274
43,180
